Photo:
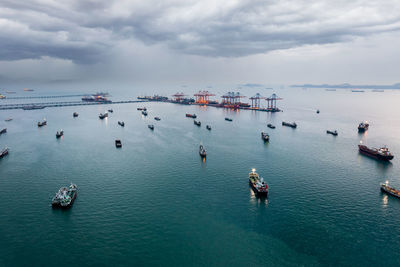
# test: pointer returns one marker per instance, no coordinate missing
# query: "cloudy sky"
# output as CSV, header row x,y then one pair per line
x,y
199,42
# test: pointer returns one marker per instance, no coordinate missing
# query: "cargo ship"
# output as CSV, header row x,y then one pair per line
x,y
293,124
382,153
335,133
65,197
4,152
269,125
191,115
264,136
363,126
390,190
257,183
228,119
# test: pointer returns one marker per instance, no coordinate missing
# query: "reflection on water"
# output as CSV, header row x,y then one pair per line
x,y
384,201
257,200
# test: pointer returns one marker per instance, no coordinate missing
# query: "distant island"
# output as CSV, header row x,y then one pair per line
x,y
349,86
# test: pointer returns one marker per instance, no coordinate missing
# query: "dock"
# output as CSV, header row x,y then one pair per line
x,y
64,104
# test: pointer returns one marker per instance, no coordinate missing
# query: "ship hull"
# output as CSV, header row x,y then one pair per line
x,y
58,204
385,190
257,192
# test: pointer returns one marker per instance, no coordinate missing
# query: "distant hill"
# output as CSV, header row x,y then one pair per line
x,y
349,86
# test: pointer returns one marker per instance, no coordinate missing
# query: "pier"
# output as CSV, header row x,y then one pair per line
x,y
63,104
38,97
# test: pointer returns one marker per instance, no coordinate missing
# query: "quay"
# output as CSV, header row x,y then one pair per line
x,y
28,106
38,97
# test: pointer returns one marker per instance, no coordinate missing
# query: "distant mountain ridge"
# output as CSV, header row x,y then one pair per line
x,y
349,86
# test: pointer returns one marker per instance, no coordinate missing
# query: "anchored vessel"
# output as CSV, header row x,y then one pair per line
x,y
102,116
110,110
390,190
142,108
363,126
264,136
157,118
198,123
59,134
317,111
382,153
335,133
151,126
271,126
42,123
293,124
202,151
257,183
118,143
144,113
208,127
191,115
8,119
228,119
121,123
75,114
65,197
4,152
3,131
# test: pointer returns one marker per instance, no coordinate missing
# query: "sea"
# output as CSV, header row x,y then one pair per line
x,y
155,202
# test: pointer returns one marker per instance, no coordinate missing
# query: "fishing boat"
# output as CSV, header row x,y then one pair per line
x,y
75,114
144,113
110,110
363,126
382,153
191,115
198,123
208,127
121,123
293,124
335,133
264,136
257,183
59,133
228,119
202,151
269,125
3,131
118,143
4,152
65,197
102,116
42,123
151,126
157,118
390,190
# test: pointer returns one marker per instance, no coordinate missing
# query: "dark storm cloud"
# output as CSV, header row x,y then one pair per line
x,y
83,31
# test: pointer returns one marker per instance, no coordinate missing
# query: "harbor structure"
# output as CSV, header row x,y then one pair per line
x,y
256,101
271,103
203,97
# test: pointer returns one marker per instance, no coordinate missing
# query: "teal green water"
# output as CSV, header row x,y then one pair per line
x,y
154,202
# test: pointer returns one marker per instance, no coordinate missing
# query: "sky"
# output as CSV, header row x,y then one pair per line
x,y
208,42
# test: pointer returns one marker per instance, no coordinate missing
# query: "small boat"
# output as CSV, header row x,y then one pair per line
x,y
28,90
257,183
390,190
144,109
8,119
110,110
65,197
191,115
118,143
4,152
202,151
42,123
317,111
75,114
382,153
121,123
144,113
335,133
102,116
264,136
228,119
198,123
208,127
293,124
269,125
59,134
3,131
151,126
363,126
157,118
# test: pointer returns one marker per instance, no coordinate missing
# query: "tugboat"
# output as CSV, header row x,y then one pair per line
x,y
191,115
271,126
121,123
3,131
102,116
390,190
65,197
144,113
335,133
202,151
198,123
382,153
157,118
3,152
293,124
151,126
144,109
208,127
363,126
75,114
257,184
264,136
118,143
59,134
42,123
228,119
110,110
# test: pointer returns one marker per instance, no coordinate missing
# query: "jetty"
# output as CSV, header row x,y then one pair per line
x,y
29,106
